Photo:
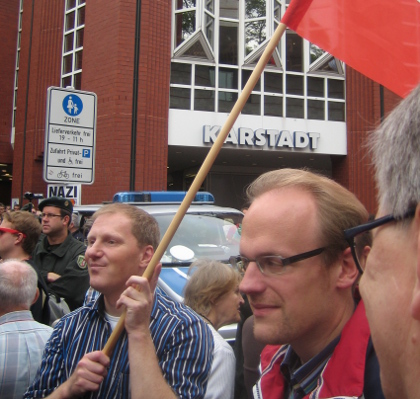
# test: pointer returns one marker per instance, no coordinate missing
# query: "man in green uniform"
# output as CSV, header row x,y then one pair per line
x,y
59,256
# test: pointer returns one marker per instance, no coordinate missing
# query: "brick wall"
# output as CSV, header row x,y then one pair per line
x,y
41,59
9,12
363,114
108,66
108,62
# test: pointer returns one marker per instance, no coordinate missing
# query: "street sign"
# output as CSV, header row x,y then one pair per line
x,y
70,136
72,192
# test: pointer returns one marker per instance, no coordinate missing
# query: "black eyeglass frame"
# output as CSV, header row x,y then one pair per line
x,y
351,233
285,261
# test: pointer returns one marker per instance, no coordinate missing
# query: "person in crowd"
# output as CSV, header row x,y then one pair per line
x,y
22,339
299,277
251,349
75,228
29,207
247,352
19,234
165,351
213,292
2,210
240,388
59,256
390,286
16,207
87,224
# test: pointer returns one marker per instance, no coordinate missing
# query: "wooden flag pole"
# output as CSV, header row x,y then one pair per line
x,y
202,173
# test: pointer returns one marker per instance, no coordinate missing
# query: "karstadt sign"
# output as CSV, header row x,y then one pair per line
x,y
264,137
258,133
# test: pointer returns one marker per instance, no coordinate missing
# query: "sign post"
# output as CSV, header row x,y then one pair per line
x,y
70,136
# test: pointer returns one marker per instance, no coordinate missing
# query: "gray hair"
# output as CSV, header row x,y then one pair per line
x,y
395,149
18,285
75,218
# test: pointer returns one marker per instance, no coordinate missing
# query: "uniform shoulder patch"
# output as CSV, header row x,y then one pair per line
x,y
81,262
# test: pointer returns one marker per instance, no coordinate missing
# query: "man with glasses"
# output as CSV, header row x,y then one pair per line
x,y
390,286
299,277
59,256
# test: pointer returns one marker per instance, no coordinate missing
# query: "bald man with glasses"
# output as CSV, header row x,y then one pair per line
x,y
59,256
299,276
390,285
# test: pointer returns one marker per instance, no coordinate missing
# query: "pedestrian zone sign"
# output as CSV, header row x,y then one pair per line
x,y
70,136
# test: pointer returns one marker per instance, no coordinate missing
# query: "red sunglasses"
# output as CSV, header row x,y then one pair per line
x,y
11,231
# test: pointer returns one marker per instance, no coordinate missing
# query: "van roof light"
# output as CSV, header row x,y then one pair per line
x,y
161,197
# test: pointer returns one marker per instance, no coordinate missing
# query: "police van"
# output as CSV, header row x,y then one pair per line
x,y
206,231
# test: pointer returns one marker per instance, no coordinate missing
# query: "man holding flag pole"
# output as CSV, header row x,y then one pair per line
x,y
166,349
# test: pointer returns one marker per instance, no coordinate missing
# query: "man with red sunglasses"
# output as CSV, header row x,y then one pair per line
x,y
19,234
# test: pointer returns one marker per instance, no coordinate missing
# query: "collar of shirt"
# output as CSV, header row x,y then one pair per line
x,y
302,379
11,317
94,299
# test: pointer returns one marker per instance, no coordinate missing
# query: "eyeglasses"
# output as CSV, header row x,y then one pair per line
x,y
351,235
50,215
271,264
11,231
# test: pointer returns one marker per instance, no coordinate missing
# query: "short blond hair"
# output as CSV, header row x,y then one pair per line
x,y
144,226
338,208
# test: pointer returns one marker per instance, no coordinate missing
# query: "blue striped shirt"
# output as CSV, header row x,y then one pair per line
x,y
183,342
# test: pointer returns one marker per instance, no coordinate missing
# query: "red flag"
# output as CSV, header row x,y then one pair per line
x,y
379,38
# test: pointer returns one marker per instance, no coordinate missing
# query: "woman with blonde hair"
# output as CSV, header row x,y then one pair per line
x,y
213,292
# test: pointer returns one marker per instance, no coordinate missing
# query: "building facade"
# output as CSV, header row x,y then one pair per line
x,y
166,75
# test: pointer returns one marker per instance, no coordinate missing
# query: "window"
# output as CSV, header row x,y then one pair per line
x,y
74,24
216,44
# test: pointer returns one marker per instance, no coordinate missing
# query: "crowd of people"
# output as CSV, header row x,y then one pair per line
x,y
327,298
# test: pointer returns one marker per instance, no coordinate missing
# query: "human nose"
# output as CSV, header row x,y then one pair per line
x,y
252,281
93,250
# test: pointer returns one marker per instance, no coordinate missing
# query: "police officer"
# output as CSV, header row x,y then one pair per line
x,y
58,255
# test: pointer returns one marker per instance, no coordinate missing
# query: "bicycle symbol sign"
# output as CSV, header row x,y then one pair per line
x,y
63,174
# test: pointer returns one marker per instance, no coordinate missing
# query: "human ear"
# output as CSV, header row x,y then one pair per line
x,y
415,304
363,256
348,273
19,238
36,296
145,258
